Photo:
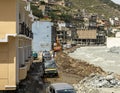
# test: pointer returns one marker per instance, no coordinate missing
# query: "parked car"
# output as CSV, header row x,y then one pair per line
x,y
60,88
34,55
50,68
46,55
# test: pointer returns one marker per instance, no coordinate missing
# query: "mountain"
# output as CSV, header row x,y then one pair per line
x,y
101,7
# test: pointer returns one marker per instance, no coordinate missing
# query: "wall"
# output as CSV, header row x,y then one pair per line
x,y
7,17
86,34
113,42
8,64
42,36
60,25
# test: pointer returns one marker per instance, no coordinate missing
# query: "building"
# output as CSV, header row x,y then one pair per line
x,y
15,43
44,36
113,41
86,37
89,37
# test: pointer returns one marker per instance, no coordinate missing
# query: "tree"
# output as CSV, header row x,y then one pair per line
x,y
66,17
36,11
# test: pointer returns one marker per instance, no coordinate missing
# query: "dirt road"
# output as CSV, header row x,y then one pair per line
x,y
71,70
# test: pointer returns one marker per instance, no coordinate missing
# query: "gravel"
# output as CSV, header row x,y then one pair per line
x,y
95,82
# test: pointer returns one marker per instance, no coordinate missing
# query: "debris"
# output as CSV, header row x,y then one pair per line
x,y
92,83
74,66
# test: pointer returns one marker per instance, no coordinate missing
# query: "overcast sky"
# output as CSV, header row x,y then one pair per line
x,y
116,1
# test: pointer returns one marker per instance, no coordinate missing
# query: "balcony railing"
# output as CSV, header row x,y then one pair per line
x,y
27,63
22,72
24,30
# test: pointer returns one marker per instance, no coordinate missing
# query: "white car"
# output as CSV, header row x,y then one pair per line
x,y
60,88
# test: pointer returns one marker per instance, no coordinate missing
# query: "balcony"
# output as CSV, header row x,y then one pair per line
x,y
27,63
24,30
22,72
31,60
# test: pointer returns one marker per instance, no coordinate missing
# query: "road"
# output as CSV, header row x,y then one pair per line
x,y
33,83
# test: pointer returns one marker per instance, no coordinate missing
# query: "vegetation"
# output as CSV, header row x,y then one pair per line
x,y
106,8
100,7
66,17
110,3
36,11
53,16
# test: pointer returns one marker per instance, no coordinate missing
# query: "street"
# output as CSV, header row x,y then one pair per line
x,y
34,83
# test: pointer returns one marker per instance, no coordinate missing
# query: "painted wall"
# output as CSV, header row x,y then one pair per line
x,y
113,42
8,49
42,36
7,17
8,64
9,54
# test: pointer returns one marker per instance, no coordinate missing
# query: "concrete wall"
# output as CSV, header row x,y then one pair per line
x,y
7,17
8,64
113,42
117,35
10,60
8,49
86,34
42,36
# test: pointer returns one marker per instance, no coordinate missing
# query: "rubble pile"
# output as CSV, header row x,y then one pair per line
x,y
92,83
92,79
73,66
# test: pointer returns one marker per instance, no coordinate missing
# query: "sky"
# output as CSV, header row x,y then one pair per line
x,y
116,1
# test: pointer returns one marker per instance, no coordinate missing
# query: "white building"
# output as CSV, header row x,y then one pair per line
x,y
42,40
113,42
61,24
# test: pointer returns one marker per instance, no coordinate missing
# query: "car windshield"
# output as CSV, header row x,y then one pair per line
x,y
46,53
50,64
66,91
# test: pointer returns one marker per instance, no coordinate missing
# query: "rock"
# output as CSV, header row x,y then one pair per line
x,y
109,77
94,81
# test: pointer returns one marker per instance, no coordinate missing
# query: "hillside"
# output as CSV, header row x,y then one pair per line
x,y
102,7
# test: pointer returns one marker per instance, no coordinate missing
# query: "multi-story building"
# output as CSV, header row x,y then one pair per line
x,y
15,43
86,37
44,35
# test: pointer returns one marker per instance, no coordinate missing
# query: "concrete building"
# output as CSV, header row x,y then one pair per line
x,y
86,37
61,25
15,43
44,36
113,42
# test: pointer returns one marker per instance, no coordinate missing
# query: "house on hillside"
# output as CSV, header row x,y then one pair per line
x,y
86,37
114,41
90,37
